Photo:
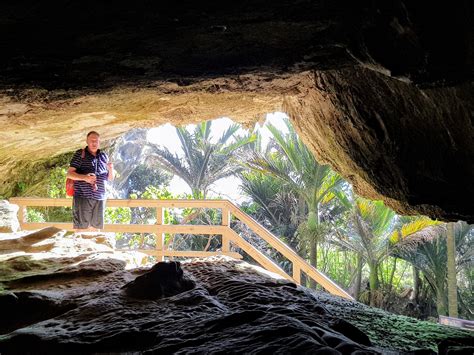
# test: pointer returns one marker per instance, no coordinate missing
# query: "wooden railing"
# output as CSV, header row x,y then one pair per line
x,y
229,236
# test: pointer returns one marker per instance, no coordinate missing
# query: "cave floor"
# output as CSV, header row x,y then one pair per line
x,y
63,293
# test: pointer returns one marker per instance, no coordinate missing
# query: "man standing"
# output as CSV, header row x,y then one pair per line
x,y
89,168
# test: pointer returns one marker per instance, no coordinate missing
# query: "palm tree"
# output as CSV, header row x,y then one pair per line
x,y
204,162
375,231
429,256
278,208
294,164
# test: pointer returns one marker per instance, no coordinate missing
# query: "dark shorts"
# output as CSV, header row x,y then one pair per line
x,y
87,212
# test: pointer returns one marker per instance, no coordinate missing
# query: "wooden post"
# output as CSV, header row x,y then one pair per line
x,y
159,236
21,215
297,273
225,235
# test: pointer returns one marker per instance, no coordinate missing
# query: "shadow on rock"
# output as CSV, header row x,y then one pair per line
x,y
20,309
165,279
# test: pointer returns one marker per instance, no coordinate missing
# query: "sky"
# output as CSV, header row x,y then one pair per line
x,y
228,188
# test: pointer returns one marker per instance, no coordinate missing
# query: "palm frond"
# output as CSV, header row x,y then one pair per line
x,y
228,133
239,142
172,163
418,229
203,131
379,215
187,144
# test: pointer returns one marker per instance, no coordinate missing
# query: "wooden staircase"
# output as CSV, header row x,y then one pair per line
x,y
230,238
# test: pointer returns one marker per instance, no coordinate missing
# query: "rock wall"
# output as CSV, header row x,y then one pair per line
x,y
412,147
380,90
8,217
64,293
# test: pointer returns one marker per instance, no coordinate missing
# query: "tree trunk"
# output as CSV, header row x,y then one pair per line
x,y
358,280
440,301
373,282
312,225
452,285
392,274
313,252
416,285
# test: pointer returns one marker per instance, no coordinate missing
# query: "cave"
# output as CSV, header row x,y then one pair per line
x,y
382,92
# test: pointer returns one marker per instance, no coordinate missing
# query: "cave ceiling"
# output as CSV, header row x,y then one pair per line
x,y
380,91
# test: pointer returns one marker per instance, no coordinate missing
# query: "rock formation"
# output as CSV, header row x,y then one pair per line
x,y
165,279
77,295
8,217
381,91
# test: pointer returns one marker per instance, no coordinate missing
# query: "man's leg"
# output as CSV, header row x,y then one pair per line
x,y
80,211
97,220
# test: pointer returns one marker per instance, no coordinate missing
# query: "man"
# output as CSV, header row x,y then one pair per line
x,y
90,169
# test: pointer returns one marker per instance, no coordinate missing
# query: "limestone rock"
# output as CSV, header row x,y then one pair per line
x,y
352,332
8,217
382,142
379,90
72,299
163,280
34,242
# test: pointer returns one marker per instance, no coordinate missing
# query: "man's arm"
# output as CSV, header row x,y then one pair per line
x,y
73,175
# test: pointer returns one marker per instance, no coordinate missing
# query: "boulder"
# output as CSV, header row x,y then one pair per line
x,y
8,217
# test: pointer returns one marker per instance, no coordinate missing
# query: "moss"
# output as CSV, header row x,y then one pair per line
x,y
24,266
32,178
393,331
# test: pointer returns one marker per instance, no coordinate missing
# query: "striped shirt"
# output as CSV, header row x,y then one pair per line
x,y
90,165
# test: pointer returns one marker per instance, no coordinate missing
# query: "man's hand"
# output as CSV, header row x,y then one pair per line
x,y
91,179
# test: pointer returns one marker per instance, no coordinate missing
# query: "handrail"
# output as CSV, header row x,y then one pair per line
x,y
289,253
67,202
228,235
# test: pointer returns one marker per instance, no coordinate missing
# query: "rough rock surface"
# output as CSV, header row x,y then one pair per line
x,y
78,303
367,126
393,113
165,279
8,217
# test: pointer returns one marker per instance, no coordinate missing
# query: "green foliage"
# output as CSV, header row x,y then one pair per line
x,y
275,206
251,208
120,215
374,231
33,215
292,162
56,188
204,161
430,257
143,215
293,168
144,176
57,185
338,264
21,187
33,177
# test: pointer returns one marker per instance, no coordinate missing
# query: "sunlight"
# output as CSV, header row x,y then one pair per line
x,y
228,188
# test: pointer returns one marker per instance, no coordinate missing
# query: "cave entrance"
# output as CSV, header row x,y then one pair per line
x,y
162,159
